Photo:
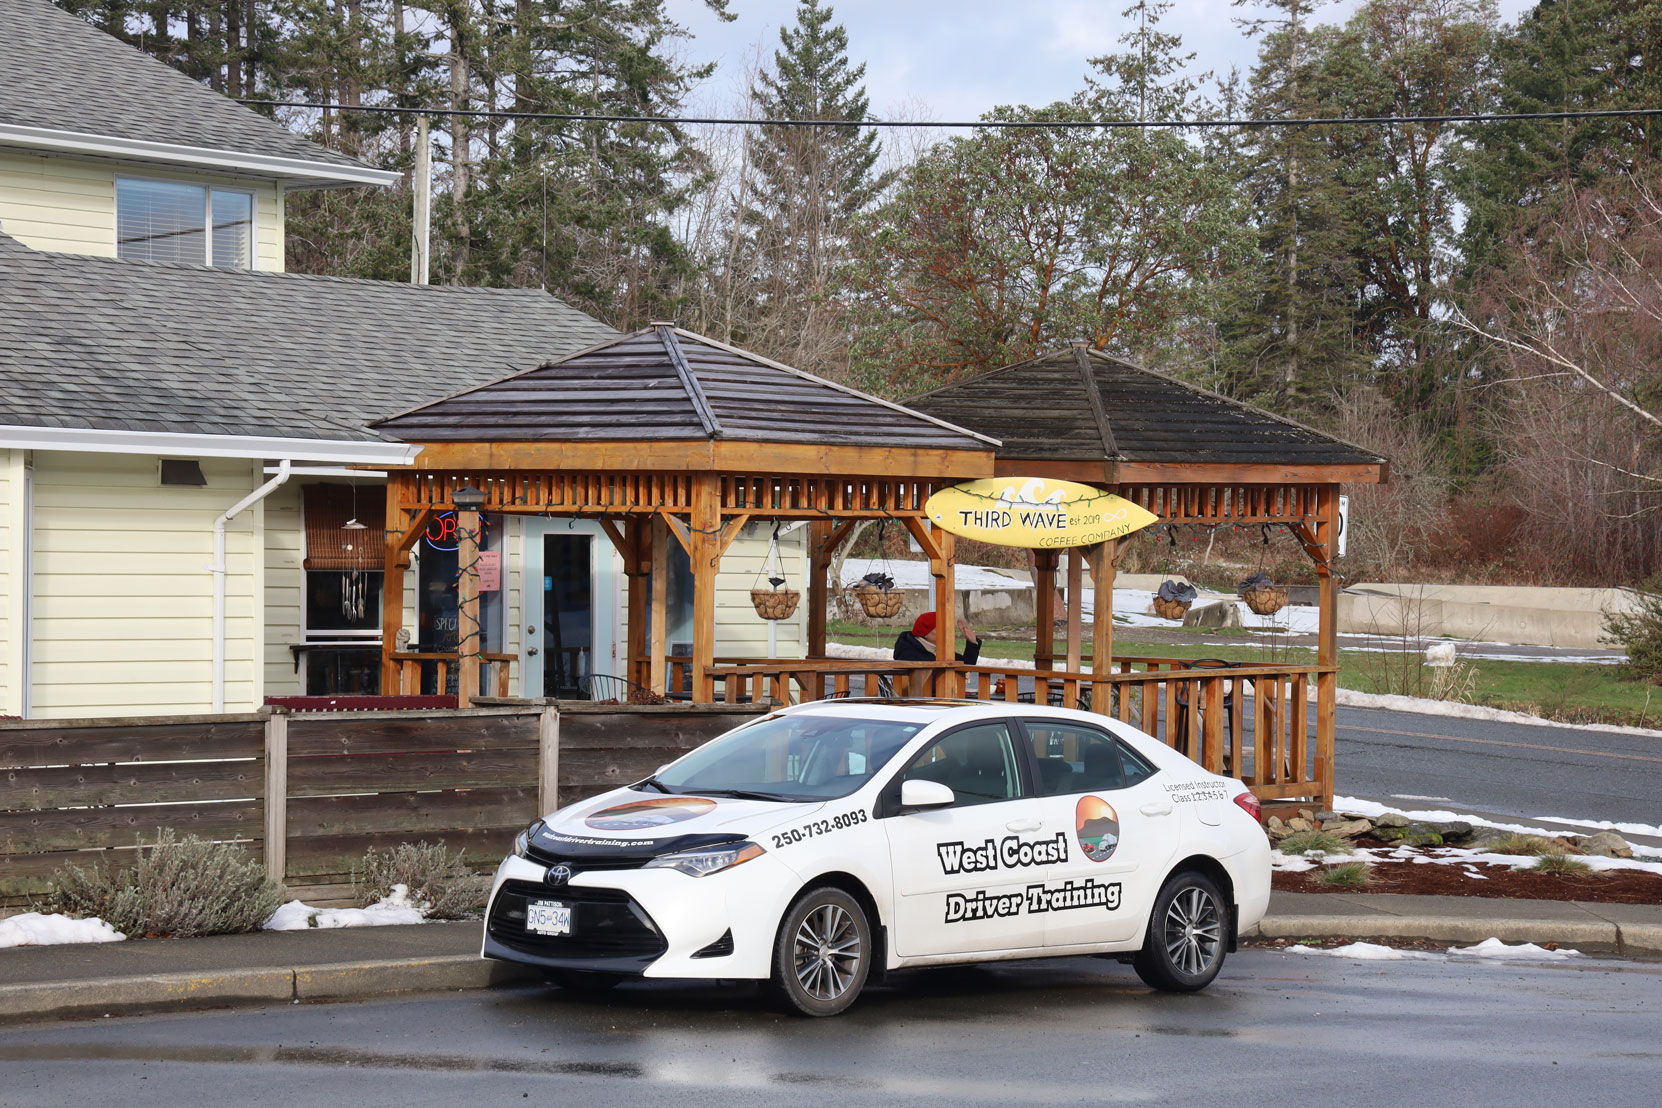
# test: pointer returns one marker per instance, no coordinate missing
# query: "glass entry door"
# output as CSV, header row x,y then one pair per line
x,y
570,607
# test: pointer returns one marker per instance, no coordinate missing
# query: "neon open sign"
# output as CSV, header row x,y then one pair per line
x,y
441,532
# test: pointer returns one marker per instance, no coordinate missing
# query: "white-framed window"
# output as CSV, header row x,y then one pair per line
x,y
175,221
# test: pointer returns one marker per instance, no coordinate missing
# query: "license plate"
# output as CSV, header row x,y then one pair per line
x,y
548,917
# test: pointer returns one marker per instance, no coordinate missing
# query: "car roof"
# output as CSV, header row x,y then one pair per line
x,y
935,709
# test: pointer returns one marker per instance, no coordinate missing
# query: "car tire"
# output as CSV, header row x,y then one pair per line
x,y
586,982
822,955
1188,932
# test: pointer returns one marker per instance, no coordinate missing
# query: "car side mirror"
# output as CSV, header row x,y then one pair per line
x,y
917,795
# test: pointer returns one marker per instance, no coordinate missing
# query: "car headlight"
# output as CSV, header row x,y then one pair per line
x,y
522,841
706,860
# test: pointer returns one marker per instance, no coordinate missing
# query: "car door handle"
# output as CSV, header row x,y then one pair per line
x,y
1158,808
1024,824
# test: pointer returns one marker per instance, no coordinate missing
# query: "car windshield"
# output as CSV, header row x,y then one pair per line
x,y
790,757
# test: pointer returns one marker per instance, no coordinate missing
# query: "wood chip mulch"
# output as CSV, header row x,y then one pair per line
x,y
1435,879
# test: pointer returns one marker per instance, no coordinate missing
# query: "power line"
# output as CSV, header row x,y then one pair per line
x,y
995,124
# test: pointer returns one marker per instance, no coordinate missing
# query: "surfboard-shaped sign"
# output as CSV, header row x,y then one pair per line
x,y
1034,512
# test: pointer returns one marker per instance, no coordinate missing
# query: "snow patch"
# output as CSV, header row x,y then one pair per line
x,y
1369,952
35,929
393,909
1494,948
1351,698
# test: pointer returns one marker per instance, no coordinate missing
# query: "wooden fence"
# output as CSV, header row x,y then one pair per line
x,y
75,792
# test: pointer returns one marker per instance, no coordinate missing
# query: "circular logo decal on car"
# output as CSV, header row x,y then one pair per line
x,y
558,875
1098,827
638,815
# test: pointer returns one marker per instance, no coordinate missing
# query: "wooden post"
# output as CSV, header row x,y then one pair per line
x,y
639,570
276,794
706,560
1044,609
946,612
470,632
392,587
660,604
1103,570
1327,641
1076,621
819,564
548,761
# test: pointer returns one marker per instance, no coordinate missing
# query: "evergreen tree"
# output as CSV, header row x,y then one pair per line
x,y
802,188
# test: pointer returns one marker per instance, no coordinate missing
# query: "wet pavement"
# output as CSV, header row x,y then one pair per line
x,y
1291,1029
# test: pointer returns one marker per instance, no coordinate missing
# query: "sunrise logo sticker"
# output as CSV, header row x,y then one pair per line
x,y
1098,827
638,815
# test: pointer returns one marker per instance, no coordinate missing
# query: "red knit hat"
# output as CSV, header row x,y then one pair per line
x,y
924,624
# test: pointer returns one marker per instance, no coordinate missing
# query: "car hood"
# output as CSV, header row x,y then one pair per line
x,y
626,824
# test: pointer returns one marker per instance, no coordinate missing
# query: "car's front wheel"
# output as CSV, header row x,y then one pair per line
x,y
822,956
1187,931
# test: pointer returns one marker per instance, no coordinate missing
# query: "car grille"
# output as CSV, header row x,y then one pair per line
x,y
605,923
549,858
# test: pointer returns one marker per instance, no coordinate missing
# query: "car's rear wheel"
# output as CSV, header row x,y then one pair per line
x,y
1187,933
822,956
588,982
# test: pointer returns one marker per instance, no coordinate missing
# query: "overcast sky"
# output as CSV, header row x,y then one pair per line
x,y
954,59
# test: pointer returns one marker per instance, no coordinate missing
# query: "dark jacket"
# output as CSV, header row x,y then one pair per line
x,y
909,648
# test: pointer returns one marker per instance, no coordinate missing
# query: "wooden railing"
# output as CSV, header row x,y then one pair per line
x,y
415,668
1248,721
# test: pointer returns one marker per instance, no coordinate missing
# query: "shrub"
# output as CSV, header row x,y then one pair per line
x,y
1640,634
1538,845
436,878
175,888
1561,864
1302,842
1348,875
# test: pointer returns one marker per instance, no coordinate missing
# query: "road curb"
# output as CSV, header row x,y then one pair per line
x,y
266,985
1590,935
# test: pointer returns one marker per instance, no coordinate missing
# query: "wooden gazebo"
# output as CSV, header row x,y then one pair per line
x,y
666,436
1192,457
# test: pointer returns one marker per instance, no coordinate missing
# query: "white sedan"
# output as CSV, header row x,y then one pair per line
x,y
825,844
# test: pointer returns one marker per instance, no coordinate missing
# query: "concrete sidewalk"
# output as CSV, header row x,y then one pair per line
x,y
284,967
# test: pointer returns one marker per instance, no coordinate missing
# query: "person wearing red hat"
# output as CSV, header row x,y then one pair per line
x,y
918,644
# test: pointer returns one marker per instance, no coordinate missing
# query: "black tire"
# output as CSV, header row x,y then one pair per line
x,y
585,982
822,955
1188,932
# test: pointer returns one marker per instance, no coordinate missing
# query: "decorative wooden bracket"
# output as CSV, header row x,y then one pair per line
x,y
837,537
618,540
925,537
680,530
729,532
408,537
1306,536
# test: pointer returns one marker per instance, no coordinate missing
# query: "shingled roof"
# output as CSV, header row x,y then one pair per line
x,y
1079,404
111,344
59,74
664,383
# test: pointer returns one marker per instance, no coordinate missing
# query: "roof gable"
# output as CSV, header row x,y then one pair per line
x,y
1078,404
662,383
111,344
63,75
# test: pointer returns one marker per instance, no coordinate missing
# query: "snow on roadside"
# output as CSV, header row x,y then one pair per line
x,y
395,908
35,929
1495,949
1367,952
1351,698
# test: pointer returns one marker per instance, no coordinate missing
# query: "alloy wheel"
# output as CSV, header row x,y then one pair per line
x,y
826,952
1193,930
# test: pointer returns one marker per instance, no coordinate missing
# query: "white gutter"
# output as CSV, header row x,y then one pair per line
x,y
299,172
95,441
252,498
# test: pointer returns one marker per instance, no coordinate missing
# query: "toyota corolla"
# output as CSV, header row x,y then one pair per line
x,y
824,845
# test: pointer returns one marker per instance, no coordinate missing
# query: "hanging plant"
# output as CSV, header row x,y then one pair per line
x,y
774,602
876,592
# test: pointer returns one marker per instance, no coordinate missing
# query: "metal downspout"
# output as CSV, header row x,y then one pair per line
x,y
218,567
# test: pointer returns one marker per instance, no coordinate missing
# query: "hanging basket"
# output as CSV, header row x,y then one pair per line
x,y
880,603
774,603
1171,609
1266,600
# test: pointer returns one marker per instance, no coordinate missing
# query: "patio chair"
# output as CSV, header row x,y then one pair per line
x,y
1182,723
603,688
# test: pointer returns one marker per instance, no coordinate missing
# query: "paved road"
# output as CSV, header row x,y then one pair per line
x,y
1506,771
1291,1029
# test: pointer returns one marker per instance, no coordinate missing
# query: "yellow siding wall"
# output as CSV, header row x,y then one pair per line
x,y
67,205
284,588
740,632
12,582
123,609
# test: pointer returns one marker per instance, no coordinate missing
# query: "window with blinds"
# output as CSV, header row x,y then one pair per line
x,y
170,221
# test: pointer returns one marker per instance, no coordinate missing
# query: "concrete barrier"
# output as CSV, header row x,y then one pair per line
x,y
1497,613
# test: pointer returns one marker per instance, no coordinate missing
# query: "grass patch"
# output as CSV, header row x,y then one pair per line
x,y
1538,845
1561,864
1302,842
1347,875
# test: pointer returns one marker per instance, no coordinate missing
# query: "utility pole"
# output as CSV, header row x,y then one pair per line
x,y
421,227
